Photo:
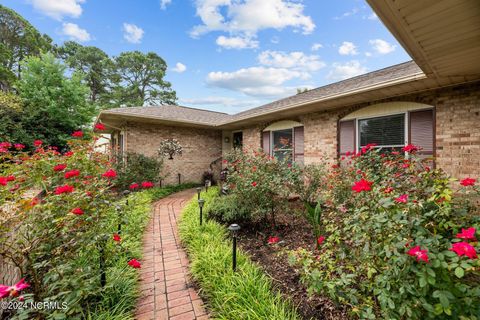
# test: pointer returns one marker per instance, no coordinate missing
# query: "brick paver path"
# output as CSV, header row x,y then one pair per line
x,y
166,291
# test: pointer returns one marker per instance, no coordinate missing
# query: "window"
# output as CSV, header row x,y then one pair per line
x,y
284,140
237,140
386,132
282,145
389,125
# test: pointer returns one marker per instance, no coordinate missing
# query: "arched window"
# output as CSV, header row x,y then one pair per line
x,y
284,140
390,126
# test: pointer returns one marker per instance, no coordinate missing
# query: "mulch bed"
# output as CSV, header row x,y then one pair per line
x,y
294,232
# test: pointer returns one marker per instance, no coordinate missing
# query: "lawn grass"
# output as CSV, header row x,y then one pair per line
x,y
245,294
118,298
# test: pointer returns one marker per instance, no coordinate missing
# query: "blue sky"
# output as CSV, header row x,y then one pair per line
x,y
229,55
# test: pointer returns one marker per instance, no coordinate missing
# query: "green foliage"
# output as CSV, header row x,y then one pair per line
x,y
245,294
54,105
365,261
95,67
225,209
11,108
138,80
261,183
134,167
61,253
18,40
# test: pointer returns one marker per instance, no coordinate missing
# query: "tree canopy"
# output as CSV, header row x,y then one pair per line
x,y
18,40
139,80
54,105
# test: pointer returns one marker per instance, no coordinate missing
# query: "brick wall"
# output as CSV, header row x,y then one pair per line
x,y
457,129
200,148
320,134
252,137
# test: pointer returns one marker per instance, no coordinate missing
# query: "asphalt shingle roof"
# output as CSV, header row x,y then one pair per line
x,y
173,113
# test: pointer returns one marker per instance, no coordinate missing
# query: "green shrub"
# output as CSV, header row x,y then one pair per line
x,y
261,183
136,168
390,225
225,209
245,294
57,223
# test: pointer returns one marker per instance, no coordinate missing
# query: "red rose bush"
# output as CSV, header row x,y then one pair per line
x,y
400,239
56,217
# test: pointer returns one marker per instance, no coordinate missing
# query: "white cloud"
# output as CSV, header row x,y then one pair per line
x,y
382,46
75,32
179,67
221,101
295,60
346,70
347,14
316,46
372,16
57,9
164,4
275,40
132,33
256,81
348,48
247,17
236,42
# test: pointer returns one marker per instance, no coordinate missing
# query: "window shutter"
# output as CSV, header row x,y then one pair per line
x,y
266,142
422,130
346,137
298,144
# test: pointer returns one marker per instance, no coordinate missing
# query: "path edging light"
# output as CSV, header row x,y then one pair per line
x,y
201,202
234,229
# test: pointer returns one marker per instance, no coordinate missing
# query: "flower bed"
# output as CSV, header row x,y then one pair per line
x,y
76,244
390,237
245,294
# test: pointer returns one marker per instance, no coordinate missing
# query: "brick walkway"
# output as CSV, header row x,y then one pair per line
x,y
166,292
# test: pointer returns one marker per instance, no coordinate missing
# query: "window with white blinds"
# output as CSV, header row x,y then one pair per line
x,y
385,132
389,132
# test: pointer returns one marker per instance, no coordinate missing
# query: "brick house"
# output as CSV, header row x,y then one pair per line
x,y
432,101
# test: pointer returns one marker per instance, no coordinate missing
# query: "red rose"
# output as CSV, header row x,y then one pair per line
x,y
68,154
10,178
37,143
254,184
72,173
3,181
100,126
116,238
110,174
464,249
410,148
64,189
272,240
147,184
468,182
59,167
134,186
19,146
77,211
134,264
77,134
418,253
467,234
320,240
362,185
402,199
